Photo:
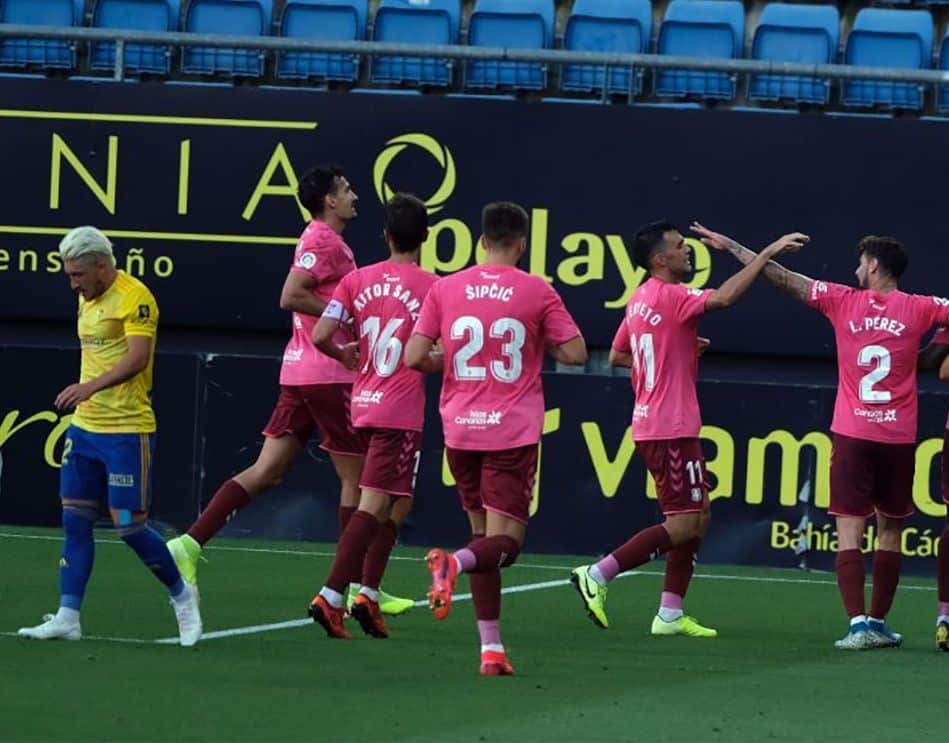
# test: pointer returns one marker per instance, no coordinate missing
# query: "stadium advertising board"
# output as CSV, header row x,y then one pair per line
x,y
769,471
195,184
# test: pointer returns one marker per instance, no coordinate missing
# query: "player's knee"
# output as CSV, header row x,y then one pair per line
x,y
510,552
263,477
129,531
400,509
890,535
78,519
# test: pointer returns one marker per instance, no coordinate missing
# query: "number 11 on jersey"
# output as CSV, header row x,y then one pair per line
x,y
644,359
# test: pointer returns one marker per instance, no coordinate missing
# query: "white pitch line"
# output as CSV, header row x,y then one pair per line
x,y
294,623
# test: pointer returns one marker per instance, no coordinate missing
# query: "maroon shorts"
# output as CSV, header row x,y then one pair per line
x,y
869,475
499,481
392,459
678,467
945,468
300,410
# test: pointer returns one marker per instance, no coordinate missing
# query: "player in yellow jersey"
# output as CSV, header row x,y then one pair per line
x,y
109,446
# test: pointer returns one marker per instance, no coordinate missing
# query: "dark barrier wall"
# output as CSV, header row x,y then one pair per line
x,y
195,185
767,447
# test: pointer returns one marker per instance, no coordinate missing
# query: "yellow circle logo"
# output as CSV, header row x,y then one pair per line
x,y
442,155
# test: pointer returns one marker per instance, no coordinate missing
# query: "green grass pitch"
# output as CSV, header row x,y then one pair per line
x,y
771,675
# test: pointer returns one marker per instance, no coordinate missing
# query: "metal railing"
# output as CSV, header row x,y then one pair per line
x,y
607,60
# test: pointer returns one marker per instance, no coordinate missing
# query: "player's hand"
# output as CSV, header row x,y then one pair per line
x,y
349,355
703,344
712,239
790,243
74,394
438,359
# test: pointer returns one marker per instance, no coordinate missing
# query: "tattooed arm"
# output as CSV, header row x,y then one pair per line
x,y
796,284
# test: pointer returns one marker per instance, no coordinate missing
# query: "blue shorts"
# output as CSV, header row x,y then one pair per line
x,y
117,465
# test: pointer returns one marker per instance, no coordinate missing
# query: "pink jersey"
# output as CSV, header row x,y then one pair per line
x,y
494,323
942,338
878,339
384,301
660,331
322,254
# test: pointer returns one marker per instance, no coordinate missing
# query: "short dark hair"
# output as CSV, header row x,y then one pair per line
x,y
504,222
648,239
406,222
889,252
316,184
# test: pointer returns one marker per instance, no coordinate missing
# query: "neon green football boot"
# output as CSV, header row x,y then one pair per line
x,y
388,604
684,625
593,595
186,553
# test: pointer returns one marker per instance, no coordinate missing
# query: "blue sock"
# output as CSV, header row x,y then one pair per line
x,y
152,551
79,547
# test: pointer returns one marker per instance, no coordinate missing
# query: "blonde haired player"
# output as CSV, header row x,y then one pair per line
x,y
110,444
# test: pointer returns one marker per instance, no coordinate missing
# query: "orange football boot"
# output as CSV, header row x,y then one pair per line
x,y
444,571
331,619
494,663
366,612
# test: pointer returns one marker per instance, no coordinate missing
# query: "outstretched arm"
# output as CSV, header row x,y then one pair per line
x,y
730,291
944,370
796,284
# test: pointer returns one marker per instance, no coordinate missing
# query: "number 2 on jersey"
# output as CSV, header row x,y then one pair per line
x,y
870,355
507,329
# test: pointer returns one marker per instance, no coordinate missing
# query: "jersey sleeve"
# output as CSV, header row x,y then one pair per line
x,y
315,259
140,313
942,336
937,313
826,297
430,317
621,338
689,303
559,327
340,307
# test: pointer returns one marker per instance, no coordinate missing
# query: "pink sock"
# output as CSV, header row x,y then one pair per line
x,y
466,560
490,631
944,608
608,567
670,601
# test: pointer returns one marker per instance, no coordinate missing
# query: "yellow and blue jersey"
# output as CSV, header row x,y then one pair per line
x,y
127,308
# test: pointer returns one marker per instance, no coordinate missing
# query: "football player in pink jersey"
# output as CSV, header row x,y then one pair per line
x,y
314,388
878,329
388,408
494,322
658,339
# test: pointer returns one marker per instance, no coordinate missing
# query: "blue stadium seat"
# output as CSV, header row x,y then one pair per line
x,y
942,95
701,28
47,53
145,15
518,24
337,20
795,33
888,38
232,18
622,26
415,22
